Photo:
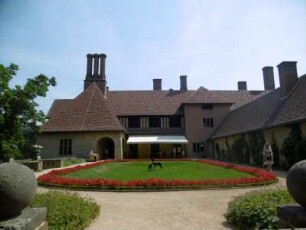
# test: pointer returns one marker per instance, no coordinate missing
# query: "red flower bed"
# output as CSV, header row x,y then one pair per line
x,y
55,178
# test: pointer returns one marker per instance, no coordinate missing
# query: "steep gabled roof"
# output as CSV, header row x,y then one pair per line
x,y
267,111
89,111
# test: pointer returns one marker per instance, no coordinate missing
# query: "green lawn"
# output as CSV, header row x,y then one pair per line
x,y
186,170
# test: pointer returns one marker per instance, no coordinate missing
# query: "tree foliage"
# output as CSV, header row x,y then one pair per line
x,y
19,117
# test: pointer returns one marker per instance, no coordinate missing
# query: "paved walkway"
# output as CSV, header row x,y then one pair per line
x,y
202,209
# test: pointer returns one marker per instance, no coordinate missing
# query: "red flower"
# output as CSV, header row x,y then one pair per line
x,y
56,178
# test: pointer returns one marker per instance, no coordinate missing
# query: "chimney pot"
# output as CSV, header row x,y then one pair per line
x,y
157,84
96,65
288,76
183,79
242,85
89,66
268,77
102,58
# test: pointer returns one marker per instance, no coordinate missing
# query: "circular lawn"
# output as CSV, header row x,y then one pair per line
x,y
134,175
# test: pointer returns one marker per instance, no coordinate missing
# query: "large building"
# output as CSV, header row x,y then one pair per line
x,y
170,123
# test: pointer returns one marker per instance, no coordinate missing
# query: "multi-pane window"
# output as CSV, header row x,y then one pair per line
x,y
207,106
208,122
154,122
175,122
198,147
65,147
134,122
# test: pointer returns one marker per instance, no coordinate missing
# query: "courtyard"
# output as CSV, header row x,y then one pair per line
x,y
200,209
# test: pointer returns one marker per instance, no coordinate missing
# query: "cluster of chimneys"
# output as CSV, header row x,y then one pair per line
x,y
96,71
157,83
287,76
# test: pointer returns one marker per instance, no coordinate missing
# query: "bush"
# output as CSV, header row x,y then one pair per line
x,y
66,210
257,209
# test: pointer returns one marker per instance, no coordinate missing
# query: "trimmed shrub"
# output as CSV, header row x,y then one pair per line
x,y
66,210
257,209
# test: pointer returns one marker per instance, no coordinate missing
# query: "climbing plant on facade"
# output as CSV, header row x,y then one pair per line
x,y
294,146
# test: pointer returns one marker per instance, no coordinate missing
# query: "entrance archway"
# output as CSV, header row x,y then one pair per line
x,y
106,148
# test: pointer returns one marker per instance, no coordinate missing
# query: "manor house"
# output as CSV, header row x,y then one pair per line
x,y
169,123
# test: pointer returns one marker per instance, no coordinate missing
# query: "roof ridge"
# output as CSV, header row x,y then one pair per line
x,y
87,109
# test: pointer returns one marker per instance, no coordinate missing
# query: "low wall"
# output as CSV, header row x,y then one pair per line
x,y
40,165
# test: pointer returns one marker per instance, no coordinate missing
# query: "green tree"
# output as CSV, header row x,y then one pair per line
x,y
19,116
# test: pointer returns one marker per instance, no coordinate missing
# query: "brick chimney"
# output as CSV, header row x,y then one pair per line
x,y
89,66
183,79
287,76
157,84
242,85
96,71
268,77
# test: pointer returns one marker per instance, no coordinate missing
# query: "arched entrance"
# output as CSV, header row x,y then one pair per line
x,y
106,148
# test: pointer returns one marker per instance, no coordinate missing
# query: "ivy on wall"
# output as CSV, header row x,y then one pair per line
x,y
248,148
275,150
256,141
294,146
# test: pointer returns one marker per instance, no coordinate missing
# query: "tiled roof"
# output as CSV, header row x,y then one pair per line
x,y
89,111
127,103
267,111
203,95
147,102
240,97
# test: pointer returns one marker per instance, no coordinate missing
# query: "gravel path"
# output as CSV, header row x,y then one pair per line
x,y
202,209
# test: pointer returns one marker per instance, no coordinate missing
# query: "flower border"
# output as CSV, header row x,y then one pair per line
x,y
55,179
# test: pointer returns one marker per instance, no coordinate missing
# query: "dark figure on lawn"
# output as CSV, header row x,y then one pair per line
x,y
157,163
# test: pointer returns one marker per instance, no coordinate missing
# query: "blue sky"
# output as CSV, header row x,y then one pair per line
x,y
215,42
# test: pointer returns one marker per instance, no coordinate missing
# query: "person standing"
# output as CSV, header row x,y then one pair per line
x,y
267,156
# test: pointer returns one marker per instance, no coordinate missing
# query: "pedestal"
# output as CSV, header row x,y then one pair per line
x,y
29,219
292,215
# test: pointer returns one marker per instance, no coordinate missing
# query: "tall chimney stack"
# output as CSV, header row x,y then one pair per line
x,y
102,58
157,84
96,71
183,79
96,66
288,76
89,66
242,85
268,77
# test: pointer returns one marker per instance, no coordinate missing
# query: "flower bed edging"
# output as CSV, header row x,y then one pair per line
x,y
55,179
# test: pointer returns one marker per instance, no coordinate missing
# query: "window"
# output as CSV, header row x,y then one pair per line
x,y
208,122
154,122
198,147
134,122
65,147
175,122
207,106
